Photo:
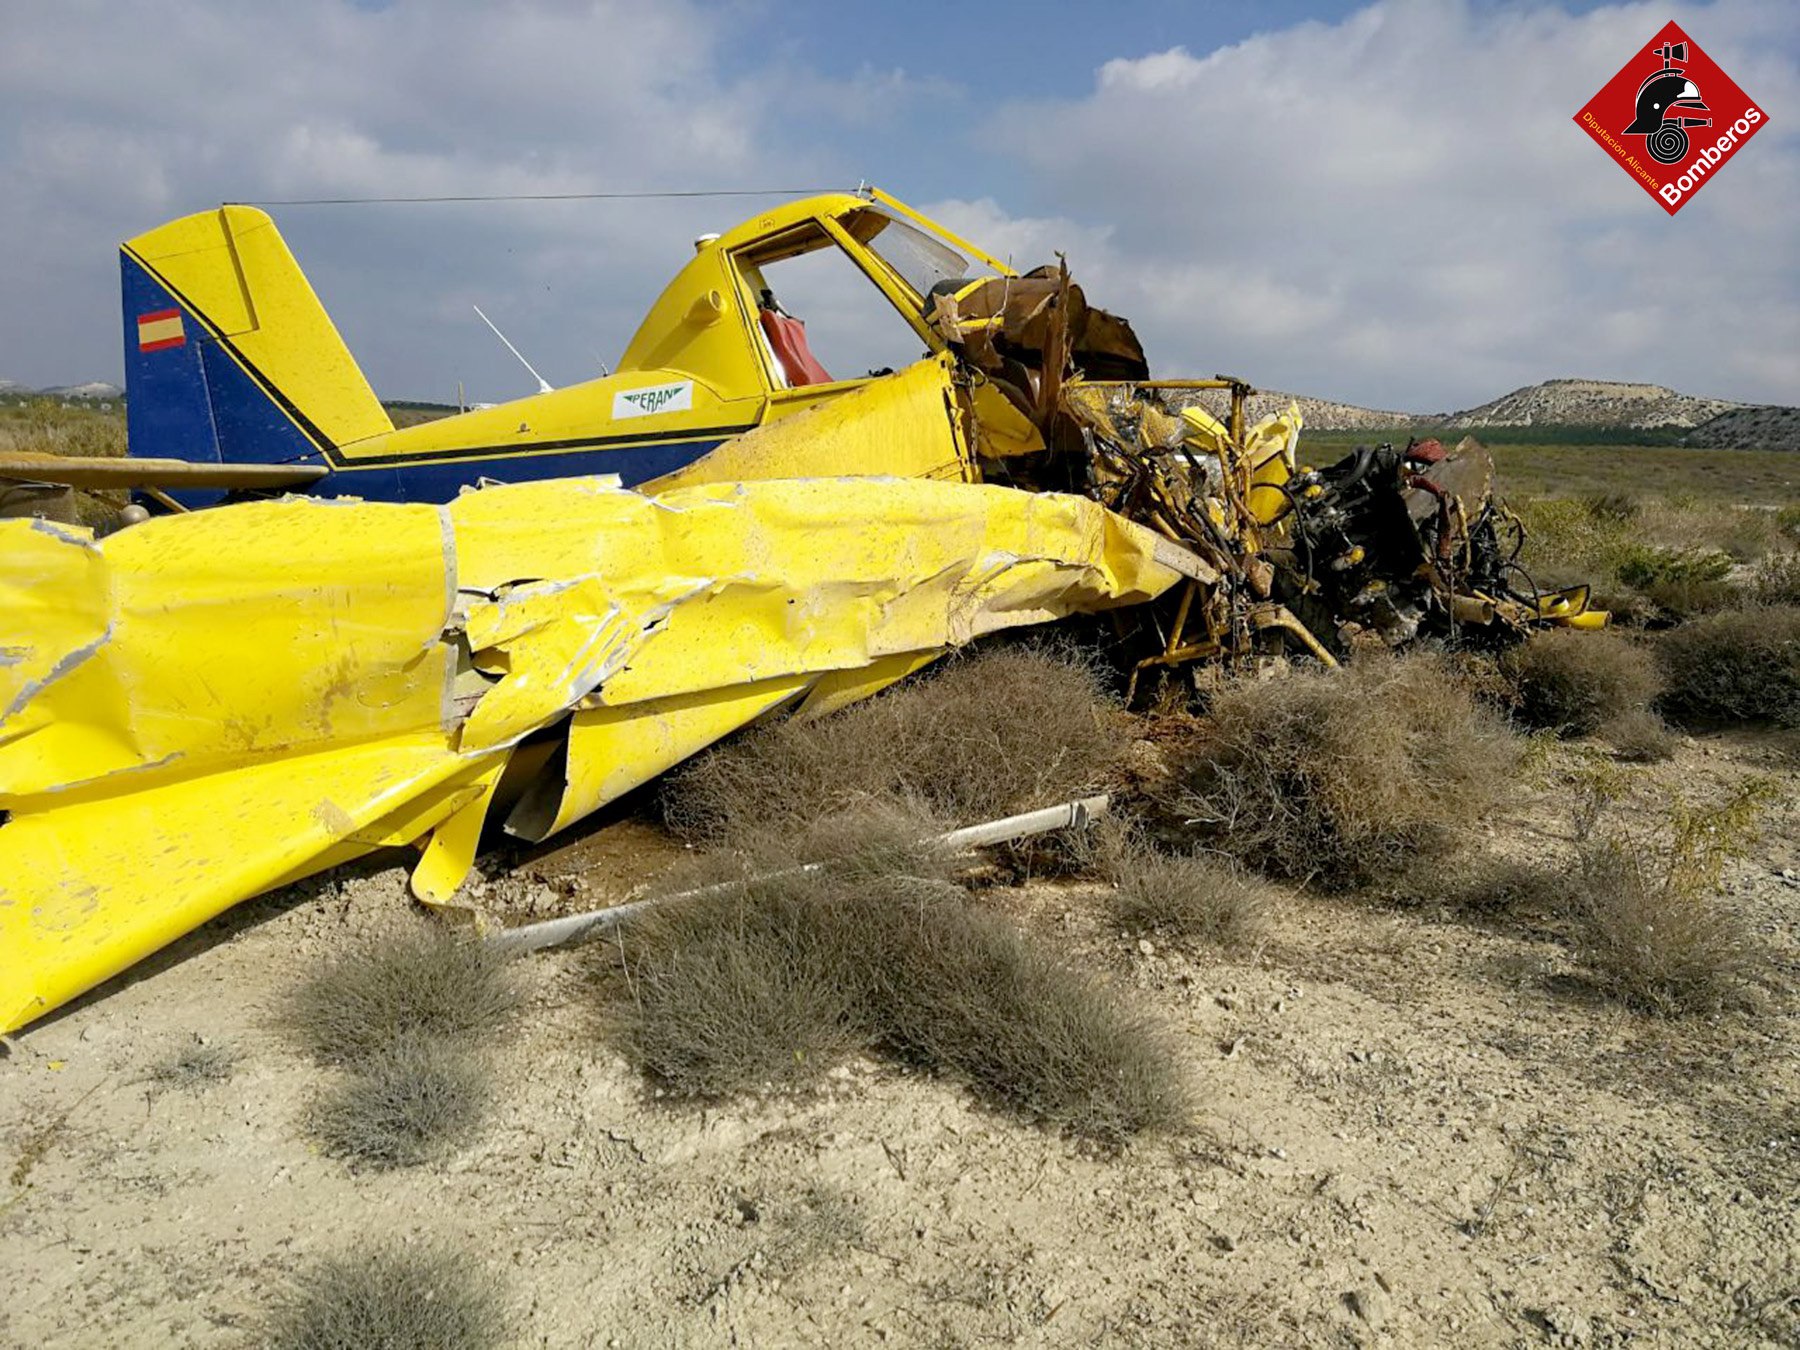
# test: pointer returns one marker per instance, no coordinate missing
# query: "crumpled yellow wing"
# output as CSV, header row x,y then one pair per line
x,y
202,707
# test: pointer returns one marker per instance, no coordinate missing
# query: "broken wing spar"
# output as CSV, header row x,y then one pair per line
x,y
207,706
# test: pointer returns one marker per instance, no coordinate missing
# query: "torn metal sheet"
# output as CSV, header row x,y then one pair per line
x,y
208,705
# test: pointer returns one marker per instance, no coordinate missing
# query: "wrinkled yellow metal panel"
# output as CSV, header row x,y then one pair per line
x,y
906,423
204,706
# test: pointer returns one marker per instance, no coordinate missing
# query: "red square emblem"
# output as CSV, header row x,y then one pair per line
x,y
1671,118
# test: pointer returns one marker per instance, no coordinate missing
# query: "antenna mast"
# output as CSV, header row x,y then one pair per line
x,y
544,386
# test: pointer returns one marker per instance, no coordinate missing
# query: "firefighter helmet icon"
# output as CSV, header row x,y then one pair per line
x,y
1664,104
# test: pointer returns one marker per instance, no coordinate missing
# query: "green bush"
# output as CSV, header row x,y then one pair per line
x,y
1644,566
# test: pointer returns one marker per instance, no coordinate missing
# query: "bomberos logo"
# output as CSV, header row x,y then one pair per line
x,y
1671,118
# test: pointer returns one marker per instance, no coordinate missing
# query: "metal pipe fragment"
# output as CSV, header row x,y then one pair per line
x,y
571,928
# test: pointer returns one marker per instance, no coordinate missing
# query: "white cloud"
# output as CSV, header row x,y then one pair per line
x,y
1395,208
114,117
1398,209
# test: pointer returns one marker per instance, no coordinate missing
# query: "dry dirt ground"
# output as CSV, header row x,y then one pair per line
x,y
1415,1129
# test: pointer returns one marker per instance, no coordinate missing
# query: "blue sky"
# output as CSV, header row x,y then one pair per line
x,y
1386,203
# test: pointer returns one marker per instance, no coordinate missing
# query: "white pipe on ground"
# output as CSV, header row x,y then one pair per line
x,y
533,937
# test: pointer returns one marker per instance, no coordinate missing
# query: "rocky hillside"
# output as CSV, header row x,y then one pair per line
x,y
1593,403
1758,427
1323,415
1318,414
1714,423
94,391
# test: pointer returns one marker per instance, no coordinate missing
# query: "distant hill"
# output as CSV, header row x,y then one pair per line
x,y
1593,403
1600,410
95,391
1758,427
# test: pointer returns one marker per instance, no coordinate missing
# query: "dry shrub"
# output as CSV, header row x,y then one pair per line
x,y
1654,946
1191,895
413,1101
1650,920
198,1065
968,993
822,1224
1735,667
1639,736
1491,886
740,991
1776,580
426,979
766,983
982,737
405,1018
1571,682
1677,552
1687,525
391,1298
1344,777
1612,506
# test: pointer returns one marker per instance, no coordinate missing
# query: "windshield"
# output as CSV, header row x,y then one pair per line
x,y
920,259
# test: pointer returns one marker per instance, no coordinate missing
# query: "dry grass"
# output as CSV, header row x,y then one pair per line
x,y
1687,524
1736,667
1571,682
404,1017
1191,895
1656,949
1341,777
45,426
1639,736
197,1066
1776,581
425,980
768,983
1673,557
741,994
391,1298
981,737
1651,923
415,1100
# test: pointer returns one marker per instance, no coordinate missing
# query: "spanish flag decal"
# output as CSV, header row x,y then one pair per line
x,y
159,330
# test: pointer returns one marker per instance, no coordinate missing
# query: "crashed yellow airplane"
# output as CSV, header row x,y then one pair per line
x,y
520,613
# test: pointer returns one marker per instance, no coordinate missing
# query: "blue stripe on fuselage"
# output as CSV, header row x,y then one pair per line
x,y
439,481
